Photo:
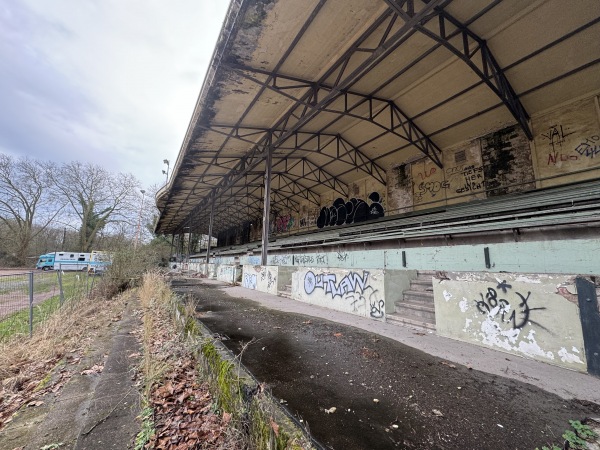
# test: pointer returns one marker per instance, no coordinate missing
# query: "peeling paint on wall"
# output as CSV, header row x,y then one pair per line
x,y
507,162
567,140
520,314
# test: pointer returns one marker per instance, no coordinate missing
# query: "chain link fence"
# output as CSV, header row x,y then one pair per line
x,y
28,298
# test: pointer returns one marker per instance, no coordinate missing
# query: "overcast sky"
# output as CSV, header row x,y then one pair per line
x,y
111,82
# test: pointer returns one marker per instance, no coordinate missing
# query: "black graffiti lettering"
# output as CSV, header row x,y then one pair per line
x,y
556,135
491,297
519,317
377,309
342,256
504,286
482,304
353,211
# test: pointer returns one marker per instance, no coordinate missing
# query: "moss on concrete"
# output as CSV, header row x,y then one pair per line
x,y
253,410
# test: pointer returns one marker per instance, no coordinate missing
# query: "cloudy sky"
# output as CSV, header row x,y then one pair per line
x,y
111,82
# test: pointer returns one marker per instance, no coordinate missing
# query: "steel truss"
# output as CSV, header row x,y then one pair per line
x,y
381,112
333,93
472,50
366,58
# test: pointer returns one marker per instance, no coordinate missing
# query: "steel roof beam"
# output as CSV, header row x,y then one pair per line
x,y
397,122
351,154
387,44
378,54
474,51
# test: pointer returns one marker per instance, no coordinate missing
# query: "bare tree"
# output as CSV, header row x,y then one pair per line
x,y
98,199
25,199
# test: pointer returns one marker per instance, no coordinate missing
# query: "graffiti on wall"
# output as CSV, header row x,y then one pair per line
x,y
561,150
303,260
589,147
430,188
268,277
280,260
253,260
353,287
555,136
507,307
307,221
226,273
342,256
249,280
472,178
353,211
282,224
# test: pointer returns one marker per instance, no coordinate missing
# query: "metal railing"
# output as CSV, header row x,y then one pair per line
x,y
29,298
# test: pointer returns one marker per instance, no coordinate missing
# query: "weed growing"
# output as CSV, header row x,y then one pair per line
x,y
576,438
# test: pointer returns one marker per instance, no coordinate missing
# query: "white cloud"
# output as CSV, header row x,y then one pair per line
x,y
111,82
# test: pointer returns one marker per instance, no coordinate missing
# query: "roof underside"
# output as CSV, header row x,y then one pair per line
x,y
339,90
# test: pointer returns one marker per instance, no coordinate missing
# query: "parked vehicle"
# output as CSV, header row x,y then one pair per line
x,y
63,261
45,262
99,262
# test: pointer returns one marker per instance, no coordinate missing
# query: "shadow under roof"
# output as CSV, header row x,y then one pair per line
x,y
343,89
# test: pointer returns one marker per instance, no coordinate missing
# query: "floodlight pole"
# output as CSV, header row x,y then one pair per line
x,y
166,172
139,225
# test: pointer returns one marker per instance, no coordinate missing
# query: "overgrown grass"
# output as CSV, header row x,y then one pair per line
x,y
148,431
256,420
66,329
18,323
75,287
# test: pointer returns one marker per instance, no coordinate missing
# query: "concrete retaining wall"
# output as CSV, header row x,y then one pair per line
x,y
360,292
228,273
535,316
261,278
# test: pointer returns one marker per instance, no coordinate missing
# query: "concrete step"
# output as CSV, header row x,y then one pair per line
x,y
426,273
287,292
419,301
418,295
418,312
421,285
411,322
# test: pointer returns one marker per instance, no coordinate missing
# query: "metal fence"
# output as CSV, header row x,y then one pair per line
x,y
28,298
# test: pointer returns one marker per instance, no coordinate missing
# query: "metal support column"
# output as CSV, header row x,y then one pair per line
x,y
267,205
210,230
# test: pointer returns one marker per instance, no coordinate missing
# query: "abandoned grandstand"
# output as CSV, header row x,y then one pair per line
x,y
433,163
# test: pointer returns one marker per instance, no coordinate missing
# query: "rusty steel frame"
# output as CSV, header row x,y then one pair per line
x,y
322,95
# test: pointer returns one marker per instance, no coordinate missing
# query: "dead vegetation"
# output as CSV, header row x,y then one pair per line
x,y
32,367
180,412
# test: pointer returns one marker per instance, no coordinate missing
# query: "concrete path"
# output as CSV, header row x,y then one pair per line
x,y
95,409
562,382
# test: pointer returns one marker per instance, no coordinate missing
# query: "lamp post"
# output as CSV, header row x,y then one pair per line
x,y
139,225
166,172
